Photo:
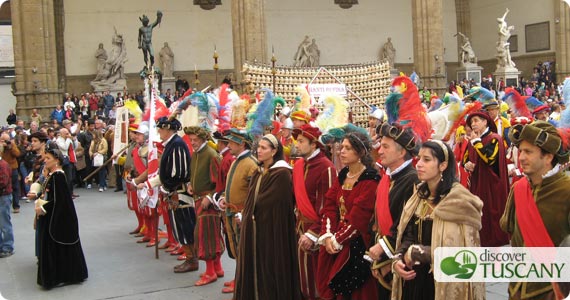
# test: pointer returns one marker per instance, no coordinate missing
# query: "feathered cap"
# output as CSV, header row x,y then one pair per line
x,y
237,136
168,123
207,109
521,106
335,113
301,111
483,95
337,134
239,106
458,112
408,123
262,117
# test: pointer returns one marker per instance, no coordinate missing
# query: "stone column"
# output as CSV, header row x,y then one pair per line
x,y
428,43
562,36
35,56
249,36
463,12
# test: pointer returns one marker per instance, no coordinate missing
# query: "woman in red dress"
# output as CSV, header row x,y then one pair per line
x,y
349,206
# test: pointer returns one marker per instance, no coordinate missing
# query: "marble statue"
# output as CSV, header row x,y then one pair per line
x,y
101,56
302,54
468,57
167,60
503,53
145,37
388,52
112,74
314,54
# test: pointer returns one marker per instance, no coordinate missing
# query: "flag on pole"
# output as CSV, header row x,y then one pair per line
x,y
152,151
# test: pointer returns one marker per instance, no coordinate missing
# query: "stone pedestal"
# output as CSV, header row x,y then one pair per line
x,y
118,86
510,75
168,83
470,72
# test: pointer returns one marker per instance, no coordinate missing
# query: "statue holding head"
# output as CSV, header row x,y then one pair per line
x,y
145,37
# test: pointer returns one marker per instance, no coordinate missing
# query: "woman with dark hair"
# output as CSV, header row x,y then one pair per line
x,y
267,266
442,213
60,257
99,147
349,206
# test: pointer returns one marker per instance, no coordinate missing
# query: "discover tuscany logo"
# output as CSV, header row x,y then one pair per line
x,y
501,264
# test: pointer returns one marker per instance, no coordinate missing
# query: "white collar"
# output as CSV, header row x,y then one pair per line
x,y
224,150
281,164
168,140
244,153
398,169
552,172
315,153
201,147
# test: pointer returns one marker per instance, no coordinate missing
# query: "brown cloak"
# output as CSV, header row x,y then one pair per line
x,y
456,223
267,265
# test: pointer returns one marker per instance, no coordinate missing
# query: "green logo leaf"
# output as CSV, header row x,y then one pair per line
x,y
462,265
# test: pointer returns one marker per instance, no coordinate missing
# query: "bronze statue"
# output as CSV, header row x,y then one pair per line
x,y
145,37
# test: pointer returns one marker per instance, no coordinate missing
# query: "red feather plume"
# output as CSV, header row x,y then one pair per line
x,y
469,108
519,103
224,112
412,114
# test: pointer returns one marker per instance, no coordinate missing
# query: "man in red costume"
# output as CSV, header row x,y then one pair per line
x,y
313,175
485,158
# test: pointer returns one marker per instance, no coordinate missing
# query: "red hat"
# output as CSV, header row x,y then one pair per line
x,y
133,127
484,115
541,108
301,115
308,131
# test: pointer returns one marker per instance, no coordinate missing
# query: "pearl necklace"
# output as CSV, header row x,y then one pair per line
x,y
358,173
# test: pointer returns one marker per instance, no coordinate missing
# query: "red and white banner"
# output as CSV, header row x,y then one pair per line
x,y
318,89
152,151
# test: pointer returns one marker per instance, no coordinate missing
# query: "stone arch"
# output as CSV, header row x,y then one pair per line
x,y
5,13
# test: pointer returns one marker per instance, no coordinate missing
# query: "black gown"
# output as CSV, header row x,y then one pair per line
x,y
60,259
422,287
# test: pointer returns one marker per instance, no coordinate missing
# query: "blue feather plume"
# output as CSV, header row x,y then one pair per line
x,y
565,115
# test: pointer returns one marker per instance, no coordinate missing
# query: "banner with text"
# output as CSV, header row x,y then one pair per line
x,y
318,89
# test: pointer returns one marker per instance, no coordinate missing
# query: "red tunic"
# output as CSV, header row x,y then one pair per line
x,y
489,181
320,175
359,203
227,160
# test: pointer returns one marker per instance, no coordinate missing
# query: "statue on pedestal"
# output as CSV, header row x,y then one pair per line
x,y
101,56
503,52
112,74
388,52
468,57
167,59
145,37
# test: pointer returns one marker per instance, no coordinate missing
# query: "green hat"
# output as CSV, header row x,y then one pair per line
x,y
237,136
542,134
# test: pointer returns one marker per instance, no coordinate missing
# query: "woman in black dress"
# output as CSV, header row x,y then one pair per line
x,y
60,259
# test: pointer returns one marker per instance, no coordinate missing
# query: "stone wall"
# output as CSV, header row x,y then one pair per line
x,y
80,83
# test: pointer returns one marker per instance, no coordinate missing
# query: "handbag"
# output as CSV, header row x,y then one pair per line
x,y
98,160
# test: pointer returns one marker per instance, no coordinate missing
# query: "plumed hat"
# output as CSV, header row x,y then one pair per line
x,y
167,123
237,136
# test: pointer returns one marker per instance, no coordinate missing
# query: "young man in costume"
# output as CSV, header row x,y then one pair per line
x,y
485,159
536,213
139,173
236,190
313,175
172,179
132,199
204,168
